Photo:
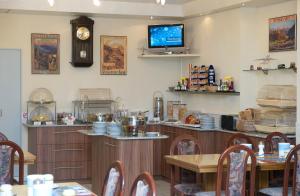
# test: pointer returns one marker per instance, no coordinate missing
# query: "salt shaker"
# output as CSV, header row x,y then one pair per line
x,y
261,147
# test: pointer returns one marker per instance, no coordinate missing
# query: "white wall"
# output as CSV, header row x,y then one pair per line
x,y
136,89
231,41
298,77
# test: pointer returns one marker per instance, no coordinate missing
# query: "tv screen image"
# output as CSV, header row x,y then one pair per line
x,y
160,36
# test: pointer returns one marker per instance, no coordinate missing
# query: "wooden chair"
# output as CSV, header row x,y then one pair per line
x,y
272,141
144,185
3,137
291,167
114,180
8,149
184,145
239,138
236,158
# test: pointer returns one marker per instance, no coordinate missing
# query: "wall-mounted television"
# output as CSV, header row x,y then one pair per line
x,y
169,35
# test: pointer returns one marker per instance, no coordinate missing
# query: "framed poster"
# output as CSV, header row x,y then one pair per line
x,y
45,57
113,55
283,33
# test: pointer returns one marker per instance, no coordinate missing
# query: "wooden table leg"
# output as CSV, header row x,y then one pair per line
x,y
208,181
172,182
263,179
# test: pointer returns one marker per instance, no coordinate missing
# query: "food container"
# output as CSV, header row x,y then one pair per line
x,y
269,120
280,96
179,112
170,106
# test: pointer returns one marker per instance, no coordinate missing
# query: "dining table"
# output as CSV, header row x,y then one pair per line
x,y
206,165
21,190
29,158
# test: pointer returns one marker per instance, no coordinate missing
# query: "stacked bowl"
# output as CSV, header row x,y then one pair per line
x,y
99,127
114,129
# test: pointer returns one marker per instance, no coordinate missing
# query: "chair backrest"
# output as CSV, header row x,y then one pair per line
x,y
185,145
114,180
143,185
237,159
273,139
292,160
239,138
8,150
3,137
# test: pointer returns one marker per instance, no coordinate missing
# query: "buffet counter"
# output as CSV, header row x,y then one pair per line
x,y
250,133
123,137
137,153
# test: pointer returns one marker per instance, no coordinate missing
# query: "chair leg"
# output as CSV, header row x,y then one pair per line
x,y
172,182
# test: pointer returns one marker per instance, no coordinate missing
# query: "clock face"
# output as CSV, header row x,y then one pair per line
x,y
83,33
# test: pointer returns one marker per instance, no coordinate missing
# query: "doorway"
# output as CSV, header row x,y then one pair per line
x,y
10,94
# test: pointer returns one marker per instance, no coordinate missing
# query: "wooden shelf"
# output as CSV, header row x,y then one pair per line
x,y
266,71
167,55
234,93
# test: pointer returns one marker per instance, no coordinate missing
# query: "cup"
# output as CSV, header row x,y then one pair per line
x,y
42,189
30,182
6,190
283,149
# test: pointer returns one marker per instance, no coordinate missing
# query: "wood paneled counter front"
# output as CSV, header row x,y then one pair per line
x,y
60,150
136,153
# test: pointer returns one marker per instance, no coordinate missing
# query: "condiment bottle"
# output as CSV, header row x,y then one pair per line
x,y
261,147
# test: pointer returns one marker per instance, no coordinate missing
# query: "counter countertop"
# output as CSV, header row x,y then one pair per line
x,y
57,125
252,133
122,137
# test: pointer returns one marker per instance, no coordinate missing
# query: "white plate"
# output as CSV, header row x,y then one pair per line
x,y
152,134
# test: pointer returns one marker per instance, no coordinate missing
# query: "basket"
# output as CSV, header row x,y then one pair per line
x,y
245,125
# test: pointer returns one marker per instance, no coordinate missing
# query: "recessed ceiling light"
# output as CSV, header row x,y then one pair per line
x,y
243,4
161,2
51,2
97,2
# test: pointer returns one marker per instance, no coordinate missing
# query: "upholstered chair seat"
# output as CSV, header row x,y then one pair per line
x,y
275,191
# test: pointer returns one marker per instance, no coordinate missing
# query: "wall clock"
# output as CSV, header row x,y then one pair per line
x,y
82,42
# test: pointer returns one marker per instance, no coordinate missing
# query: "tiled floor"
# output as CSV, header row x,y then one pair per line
x,y
163,187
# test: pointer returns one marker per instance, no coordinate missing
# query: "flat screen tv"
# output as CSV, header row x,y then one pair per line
x,y
162,36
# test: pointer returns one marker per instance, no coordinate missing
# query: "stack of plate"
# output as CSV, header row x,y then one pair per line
x,y
207,122
99,127
217,118
114,129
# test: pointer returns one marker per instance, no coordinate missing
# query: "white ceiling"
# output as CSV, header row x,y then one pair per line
x,y
154,1
174,9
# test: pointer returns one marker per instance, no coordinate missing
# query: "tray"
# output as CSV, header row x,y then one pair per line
x,y
268,129
280,103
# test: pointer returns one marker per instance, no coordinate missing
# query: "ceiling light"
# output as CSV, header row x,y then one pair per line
x,y
243,4
97,2
161,2
51,2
